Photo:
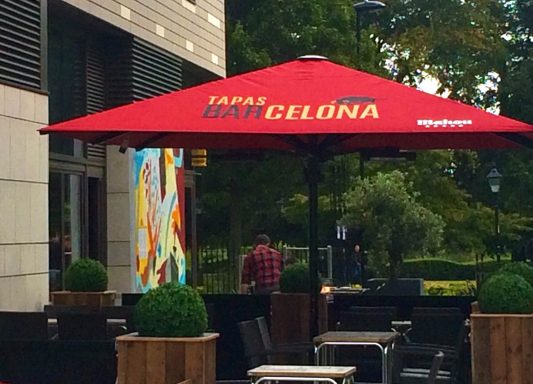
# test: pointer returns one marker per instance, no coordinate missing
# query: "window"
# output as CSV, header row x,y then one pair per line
x,y
65,219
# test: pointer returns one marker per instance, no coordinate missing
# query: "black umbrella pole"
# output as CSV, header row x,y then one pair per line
x,y
312,180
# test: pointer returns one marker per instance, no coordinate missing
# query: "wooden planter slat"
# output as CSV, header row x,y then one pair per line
x,y
173,350
513,343
527,350
290,317
502,349
166,360
91,299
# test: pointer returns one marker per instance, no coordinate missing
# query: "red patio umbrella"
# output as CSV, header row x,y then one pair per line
x,y
310,106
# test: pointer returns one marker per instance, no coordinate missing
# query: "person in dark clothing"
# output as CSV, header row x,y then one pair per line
x,y
357,257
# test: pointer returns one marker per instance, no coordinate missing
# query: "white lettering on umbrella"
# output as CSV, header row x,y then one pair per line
x,y
444,123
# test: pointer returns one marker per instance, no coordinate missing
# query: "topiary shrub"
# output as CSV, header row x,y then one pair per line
x,y
86,275
295,279
171,310
506,293
519,268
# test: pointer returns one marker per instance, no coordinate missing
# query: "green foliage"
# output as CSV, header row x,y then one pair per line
x,y
521,269
406,41
86,275
295,279
450,288
442,269
171,310
393,223
301,27
419,42
506,293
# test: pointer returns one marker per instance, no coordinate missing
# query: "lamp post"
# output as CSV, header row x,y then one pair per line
x,y
361,7
494,178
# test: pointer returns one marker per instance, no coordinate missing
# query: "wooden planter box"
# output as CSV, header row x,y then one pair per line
x,y
502,348
91,299
166,360
290,317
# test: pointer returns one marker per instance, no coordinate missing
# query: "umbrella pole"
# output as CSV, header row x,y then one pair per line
x,y
312,170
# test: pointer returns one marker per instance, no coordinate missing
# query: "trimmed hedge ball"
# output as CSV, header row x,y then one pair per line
x,y
295,279
171,310
506,293
86,275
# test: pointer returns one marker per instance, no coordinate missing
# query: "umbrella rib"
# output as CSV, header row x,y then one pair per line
x,y
296,143
516,138
152,140
108,136
331,140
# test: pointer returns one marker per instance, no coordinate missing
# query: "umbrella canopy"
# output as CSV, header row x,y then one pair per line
x,y
310,106
307,103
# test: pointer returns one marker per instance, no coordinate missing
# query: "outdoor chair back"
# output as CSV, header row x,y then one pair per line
x,y
23,325
258,348
366,319
367,359
82,326
440,326
431,377
254,349
434,330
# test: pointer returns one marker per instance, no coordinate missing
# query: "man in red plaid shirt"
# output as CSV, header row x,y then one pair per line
x,y
263,265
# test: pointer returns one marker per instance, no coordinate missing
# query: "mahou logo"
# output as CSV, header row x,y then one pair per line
x,y
444,123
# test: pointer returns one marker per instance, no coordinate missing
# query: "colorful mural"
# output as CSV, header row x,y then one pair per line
x,y
159,217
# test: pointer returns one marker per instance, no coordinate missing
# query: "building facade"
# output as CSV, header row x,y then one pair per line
x,y
62,199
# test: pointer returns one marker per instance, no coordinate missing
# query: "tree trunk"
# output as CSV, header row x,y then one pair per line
x,y
395,260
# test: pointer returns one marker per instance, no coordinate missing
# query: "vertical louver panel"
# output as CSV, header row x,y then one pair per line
x,y
20,42
118,74
95,93
79,83
154,71
95,79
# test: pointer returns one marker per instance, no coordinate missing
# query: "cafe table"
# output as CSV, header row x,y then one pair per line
x,y
299,373
384,341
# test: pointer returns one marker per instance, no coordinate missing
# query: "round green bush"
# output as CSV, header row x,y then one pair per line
x,y
86,275
519,268
506,293
171,310
295,279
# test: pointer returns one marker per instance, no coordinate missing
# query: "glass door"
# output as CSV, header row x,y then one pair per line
x,y
65,224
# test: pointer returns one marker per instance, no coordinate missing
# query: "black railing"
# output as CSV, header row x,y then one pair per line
x,y
218,270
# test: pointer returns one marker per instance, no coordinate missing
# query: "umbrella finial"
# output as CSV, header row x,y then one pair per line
x,y
312,57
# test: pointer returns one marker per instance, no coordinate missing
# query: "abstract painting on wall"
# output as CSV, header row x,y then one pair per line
x,y
159,217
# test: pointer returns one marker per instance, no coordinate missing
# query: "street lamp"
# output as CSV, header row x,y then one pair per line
x,y
361,7
494,178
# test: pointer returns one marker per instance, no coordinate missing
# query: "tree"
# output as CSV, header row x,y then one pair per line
x,y
456,42
393,223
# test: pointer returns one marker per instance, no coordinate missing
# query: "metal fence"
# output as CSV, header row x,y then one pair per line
x,y
325,258
220,272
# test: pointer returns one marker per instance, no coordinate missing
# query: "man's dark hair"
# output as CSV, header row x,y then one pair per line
x,y
262,239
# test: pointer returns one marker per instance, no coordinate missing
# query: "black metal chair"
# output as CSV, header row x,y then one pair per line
x,y
367,359
431,325
433,330
258,348
23,325
433,376
82,326
366,319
